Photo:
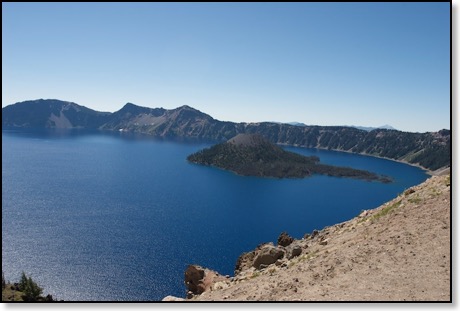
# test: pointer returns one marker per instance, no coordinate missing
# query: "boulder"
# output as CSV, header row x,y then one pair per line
x,y
194,276
172,298
314,234
284,239
409,191
199,279
246,260
293,251
267,255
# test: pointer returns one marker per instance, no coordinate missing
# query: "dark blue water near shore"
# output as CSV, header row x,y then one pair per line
x,y
106,216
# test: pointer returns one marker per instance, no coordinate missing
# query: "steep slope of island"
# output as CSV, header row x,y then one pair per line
x,y
252,155
400,251
431,150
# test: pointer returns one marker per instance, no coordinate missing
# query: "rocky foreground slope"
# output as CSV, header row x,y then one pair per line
x,y
397,252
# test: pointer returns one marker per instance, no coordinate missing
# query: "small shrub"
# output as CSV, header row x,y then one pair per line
x,y
255,274
31,290
447,180
415,200
386,210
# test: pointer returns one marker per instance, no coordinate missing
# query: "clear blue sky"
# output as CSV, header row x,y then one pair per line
x,y
319,63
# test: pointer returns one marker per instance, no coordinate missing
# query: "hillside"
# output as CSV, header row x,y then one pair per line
x,y
431,150
25,290
253,155
399,251
51,113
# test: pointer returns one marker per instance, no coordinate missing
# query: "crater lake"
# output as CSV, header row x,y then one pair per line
x,y
108,216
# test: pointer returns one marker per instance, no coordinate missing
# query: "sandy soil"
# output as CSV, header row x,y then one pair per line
x,y
397,252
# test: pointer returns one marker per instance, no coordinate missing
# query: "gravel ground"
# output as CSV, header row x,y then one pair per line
x,y
397,252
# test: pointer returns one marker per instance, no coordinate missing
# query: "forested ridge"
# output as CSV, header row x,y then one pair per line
x,y
252,155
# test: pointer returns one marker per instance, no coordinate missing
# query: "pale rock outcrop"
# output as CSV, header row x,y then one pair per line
x,y
199,279
172,298
267,255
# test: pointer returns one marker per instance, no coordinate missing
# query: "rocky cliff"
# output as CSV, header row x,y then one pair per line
x,y
431,150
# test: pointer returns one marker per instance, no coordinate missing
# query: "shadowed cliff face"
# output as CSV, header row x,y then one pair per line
x,y
430,150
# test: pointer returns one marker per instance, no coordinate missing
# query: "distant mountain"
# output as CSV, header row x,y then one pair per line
x,y
364,128
296,123
289,123
253,155
386,127
184,121
429,150
51,113
132,116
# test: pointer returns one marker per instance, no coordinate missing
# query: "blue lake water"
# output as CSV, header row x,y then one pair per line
x,y
110,216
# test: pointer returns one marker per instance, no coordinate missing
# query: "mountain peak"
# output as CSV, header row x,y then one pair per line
x,y
187,108
133,109
188,112
128,104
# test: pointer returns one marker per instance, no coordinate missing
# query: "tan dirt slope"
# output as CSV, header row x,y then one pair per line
x,y
397,252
